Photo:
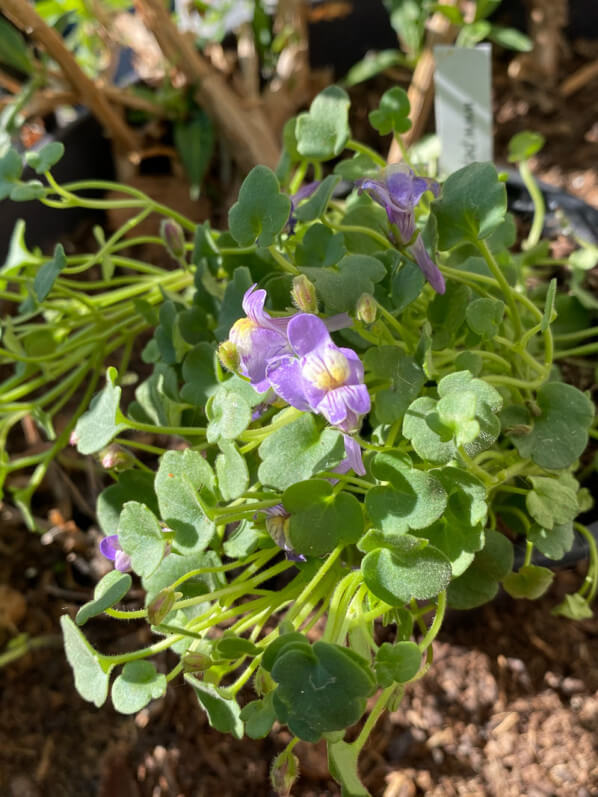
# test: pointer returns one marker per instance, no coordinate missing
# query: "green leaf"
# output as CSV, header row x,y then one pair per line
x,y
108,591
259,717
184,476
584,259
323,131
549,312
555,542
472,206
473,34
229,415
261,211
406,285
48,273
397,663
343,765
551,502
484,316
10,171
447,313
457,412
233,647
99,425
25,192
479,583
199,375
321,520
511,38
91,680
320,245
414,499
43,159
360,165
574,607
341,287
320,689
314,207
371,65
409,568
141,536
560,433
14,51
136,686
530,582
131,485
194,141
173,567
297,452
525,145
407,379
231,471
430,440
454,16
223,714
392,115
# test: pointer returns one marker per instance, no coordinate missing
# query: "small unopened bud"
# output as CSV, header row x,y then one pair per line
x,y
161,605
229,355
519,430
115,458
174,240
303,294
74,438
263,682
284,772
366,309
196,661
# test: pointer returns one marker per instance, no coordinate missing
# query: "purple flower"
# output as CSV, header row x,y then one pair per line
x,y
110,548
353,460
306,190
322,377
258,338
277,526
398,189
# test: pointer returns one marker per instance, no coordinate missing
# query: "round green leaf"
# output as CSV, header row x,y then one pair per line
x,y
108,591
323,131
99,425
392,114
91,679
43,159
479,583
530,582
397,575
229,415
261,210
141,536
484,316
397,663
136,686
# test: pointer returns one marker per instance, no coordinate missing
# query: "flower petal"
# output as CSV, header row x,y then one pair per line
x,y
110,546
306,332
284,376
427,265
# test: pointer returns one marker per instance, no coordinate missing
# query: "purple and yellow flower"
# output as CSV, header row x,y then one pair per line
x,y
322,376
398,189
258,338
110,547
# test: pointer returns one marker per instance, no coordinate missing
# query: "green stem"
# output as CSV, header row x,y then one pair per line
x,y
374,715
503,284
530,183
305,593
593,560
436,624
363,149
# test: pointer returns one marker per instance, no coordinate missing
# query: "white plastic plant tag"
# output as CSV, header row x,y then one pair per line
x,y
463,105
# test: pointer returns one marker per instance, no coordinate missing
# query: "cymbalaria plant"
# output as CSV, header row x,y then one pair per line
x,y
357,415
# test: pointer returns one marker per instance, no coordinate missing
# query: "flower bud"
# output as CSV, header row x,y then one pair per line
x,y
174,240
113,457
284,772
303,294
74,438
196,661
366,309
228,355
161,605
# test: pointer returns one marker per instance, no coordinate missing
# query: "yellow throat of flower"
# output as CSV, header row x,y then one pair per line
x,y
329,371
